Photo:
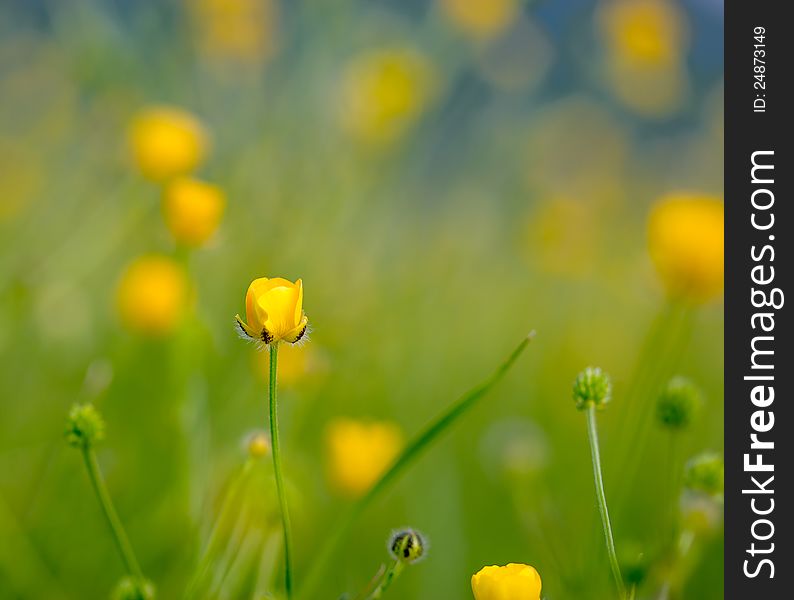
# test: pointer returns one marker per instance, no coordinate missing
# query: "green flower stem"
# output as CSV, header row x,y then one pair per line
x,y
392,573
122,541
276,448
592,434
431,433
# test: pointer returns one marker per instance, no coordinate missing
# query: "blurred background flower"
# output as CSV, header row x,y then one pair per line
x,y
359,452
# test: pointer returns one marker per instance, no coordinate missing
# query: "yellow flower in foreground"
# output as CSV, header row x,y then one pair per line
x,y
152,295
481,19
192,210
360,452
274,311
384,93
167,142
512,582
687,245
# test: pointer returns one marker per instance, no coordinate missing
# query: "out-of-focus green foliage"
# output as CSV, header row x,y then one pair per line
x,y
444,177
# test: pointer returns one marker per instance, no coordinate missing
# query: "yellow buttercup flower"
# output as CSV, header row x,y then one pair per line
x,y
274,311
687,245
481,19
384,93
360,452
152,295
167,142
512,582
192,210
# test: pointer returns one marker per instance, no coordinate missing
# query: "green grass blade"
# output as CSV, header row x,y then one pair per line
x,y
408,456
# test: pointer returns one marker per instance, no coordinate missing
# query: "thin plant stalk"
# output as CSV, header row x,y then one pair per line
x,y
386,580
592,435
116,527
420,443
276,449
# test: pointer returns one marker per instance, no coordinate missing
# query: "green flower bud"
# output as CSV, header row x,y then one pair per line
x,y
705,473
592,387
84,426
407,545
677,403
130,588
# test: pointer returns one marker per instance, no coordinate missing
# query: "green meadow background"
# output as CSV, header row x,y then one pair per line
x,y
515,199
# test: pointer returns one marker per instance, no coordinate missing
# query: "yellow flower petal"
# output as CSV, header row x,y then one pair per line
x,y
274,310
511,582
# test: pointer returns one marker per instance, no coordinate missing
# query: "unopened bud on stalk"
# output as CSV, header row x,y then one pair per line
x,y
592,387
677,404
84,427
705,473
407,546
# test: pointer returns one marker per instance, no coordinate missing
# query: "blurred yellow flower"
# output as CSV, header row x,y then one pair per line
x,y
239,30
480,19
152,295
258,445
687,245
384,93
512,582
646,42
274,311
192,210
650,33
167,142
360,452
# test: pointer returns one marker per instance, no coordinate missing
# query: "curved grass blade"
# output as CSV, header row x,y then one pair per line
x,y
408,456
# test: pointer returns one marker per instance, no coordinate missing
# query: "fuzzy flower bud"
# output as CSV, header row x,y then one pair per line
x,y
407,545
592,387
130,588
677,404
705,473
84,427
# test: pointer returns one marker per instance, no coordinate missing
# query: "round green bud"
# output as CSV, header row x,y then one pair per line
x,y
677,404
131,588
85,426
407,545
592,387
705,473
